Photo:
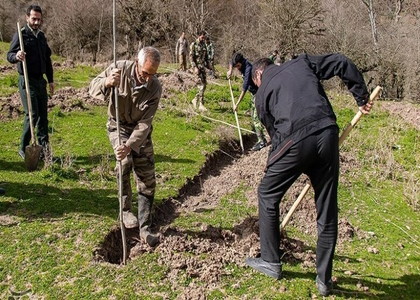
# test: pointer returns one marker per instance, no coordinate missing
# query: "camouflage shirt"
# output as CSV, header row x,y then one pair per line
x,y
210,51
198,54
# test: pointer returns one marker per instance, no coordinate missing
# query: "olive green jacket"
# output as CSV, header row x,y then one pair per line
x,y
137,105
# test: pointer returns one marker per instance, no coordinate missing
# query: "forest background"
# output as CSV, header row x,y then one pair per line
x,y
381,36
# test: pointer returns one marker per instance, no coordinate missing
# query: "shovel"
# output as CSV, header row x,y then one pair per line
x,y
32,152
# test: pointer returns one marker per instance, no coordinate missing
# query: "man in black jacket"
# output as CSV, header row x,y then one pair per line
x,y
38,61
293,106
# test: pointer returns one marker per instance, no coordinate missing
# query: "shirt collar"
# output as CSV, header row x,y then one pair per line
x,y
35,33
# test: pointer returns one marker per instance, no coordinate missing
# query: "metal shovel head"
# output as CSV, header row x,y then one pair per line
x,y
32,153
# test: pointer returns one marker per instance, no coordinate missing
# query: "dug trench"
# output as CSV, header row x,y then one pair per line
x,y
206,252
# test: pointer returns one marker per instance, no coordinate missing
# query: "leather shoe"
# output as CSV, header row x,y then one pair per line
x,y
270,269
22,154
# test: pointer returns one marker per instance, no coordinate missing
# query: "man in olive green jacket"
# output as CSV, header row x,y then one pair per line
x,y
139,92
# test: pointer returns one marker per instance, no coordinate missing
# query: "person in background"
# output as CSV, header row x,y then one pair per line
x,y
38,61
181,50
273,56
139,92
294,108
245,68
199,62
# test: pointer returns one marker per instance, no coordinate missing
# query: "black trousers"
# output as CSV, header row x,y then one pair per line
x,y
39,101
317,156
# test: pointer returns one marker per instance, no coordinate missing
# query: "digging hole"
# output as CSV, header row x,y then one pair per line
x,y
111,250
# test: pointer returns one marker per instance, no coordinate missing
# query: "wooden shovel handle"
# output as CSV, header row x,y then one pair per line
x,y
28,92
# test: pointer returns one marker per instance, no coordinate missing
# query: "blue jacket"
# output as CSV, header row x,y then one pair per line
x,y
248,84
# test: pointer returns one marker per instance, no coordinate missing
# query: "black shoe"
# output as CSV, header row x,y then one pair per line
x,y
270,269
2,191
259,145
323,289
22,154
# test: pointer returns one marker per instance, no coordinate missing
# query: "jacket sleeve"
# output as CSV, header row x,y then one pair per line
x,y
247,78
48,61
192,55
14,48
97,87
328,66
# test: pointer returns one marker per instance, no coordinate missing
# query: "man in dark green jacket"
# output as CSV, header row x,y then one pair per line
x,y
38,61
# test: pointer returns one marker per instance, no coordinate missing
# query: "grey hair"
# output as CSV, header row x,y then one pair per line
x,y
149,54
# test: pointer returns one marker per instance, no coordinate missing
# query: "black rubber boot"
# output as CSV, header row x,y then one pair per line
x,y
145,220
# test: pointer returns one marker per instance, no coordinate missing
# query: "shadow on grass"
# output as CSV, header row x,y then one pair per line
x,y
47,201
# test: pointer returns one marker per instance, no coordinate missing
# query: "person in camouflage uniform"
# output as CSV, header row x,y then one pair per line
x,y
199,62
139,92
210,54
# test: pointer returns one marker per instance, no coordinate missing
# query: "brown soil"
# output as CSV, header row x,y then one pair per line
x,y
406,110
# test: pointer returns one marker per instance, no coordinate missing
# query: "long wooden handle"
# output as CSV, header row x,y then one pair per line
x,y
236,116
120,183
343,136
27,88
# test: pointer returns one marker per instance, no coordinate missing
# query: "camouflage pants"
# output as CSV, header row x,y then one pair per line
x,y
142,163
182,62
258,127
201,84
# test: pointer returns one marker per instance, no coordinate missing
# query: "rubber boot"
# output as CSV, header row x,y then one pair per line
x,y
145,220
129,219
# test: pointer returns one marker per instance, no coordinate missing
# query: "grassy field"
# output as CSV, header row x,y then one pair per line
x,y
54,218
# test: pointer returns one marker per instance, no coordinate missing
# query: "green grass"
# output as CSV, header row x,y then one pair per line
x,y
60,214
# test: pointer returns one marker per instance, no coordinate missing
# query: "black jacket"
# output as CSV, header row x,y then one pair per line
x,y
38,54
291,102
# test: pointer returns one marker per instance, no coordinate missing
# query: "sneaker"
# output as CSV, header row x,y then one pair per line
x,y
202,108
194,103
259,145
22,154
323,289
270,269
129,220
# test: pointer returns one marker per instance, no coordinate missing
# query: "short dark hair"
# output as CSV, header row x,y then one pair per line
x,y
202,32
260,65
237,58
33,7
